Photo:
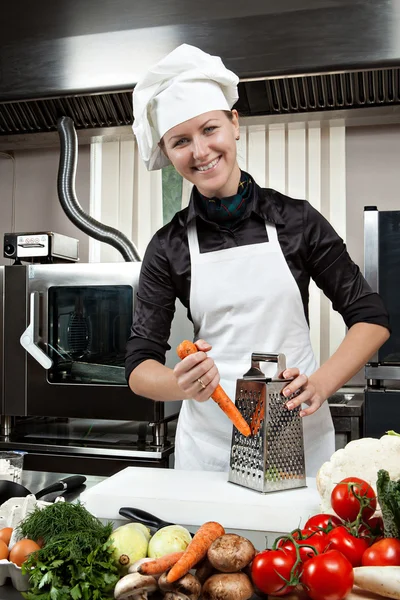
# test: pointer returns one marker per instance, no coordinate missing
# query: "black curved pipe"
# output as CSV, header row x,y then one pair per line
x,y
69,201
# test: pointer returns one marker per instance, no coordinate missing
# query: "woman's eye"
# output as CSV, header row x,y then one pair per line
x,y
180,142
210,129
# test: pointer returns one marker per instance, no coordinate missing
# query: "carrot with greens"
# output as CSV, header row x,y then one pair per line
x,y
196,550
161,564
219,396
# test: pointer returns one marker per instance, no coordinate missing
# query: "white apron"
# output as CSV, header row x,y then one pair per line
x,y
243,300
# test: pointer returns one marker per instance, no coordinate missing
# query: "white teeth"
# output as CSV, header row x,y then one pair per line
x,y
209,166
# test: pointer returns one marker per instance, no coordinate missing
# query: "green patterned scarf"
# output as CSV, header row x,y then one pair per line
x,y
226,211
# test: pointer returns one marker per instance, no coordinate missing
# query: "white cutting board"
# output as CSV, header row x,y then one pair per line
x,y
194,497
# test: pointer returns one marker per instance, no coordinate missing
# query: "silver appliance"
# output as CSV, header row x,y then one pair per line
x,y
272,458
382,271
65,331
40,247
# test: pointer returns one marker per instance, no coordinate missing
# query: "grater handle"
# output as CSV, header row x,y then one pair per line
x,y
257,357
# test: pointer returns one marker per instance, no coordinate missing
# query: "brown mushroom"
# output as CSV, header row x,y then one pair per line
x,y
227,586
187,587
231,553
135,586
204,570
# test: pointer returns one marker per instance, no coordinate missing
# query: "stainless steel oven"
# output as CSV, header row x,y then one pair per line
x,y
65,331
78,318
65,398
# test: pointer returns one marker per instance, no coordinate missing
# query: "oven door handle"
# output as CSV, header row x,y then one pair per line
x,y
28,339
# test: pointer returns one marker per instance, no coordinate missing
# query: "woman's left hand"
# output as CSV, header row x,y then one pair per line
x,y
310,393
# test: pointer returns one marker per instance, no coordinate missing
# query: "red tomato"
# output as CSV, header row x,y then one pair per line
x,y
345,502
268,568
351,547
372,529
328,576
322,521
384,553
376,525
316,539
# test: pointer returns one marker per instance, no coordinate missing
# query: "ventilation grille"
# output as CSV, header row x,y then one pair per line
x,y
87,112
322,92
265,97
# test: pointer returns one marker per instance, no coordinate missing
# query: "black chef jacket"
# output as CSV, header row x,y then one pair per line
x,y
310,245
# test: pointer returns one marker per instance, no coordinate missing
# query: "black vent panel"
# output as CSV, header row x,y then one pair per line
x,y
321,92
87,112
309,93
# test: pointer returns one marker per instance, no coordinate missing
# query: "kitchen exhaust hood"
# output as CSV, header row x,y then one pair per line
x,y
81,59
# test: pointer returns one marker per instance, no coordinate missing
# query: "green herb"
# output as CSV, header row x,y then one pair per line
x,y
391,432
389,500
57,519
76,561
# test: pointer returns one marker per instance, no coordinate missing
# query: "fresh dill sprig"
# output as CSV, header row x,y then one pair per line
x,y
58,519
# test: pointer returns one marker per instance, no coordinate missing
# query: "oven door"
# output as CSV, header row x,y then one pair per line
x,y
74,320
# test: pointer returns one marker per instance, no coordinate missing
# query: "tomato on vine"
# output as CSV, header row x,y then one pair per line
x,y
328,576
271,569
372,529
323,522
352,495
350,546
308,542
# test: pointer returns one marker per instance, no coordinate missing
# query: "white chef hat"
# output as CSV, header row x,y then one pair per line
x,y
186,83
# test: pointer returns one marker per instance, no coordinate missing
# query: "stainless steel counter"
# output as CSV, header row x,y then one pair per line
x,y
35,481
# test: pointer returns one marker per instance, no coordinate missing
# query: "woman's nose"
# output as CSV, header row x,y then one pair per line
x,y
200,148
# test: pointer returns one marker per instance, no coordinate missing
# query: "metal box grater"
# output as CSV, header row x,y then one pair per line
x,y
271,459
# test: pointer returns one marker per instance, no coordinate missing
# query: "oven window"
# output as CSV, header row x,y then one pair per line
x,y
88,330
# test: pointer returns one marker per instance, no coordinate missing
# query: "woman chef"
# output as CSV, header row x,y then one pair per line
x,y
240,259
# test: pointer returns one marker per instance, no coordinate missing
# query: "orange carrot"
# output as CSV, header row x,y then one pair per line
x,y
196,550
257,417
219,396
161,564
185,348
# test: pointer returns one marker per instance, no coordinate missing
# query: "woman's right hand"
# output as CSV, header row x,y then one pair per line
x,y
196,375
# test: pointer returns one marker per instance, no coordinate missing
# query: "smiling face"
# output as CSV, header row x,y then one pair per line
x,y
203,151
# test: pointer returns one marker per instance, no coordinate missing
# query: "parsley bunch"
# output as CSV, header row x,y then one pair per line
x,y
76,560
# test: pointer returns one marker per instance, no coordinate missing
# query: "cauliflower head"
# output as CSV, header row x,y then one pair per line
x,y
361,458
